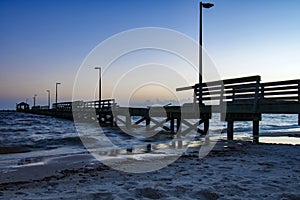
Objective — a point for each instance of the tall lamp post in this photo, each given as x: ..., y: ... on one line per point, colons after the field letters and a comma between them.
x: 48, y: 98
x: 56, y: 93
x: 100, y: 85
x: 202, y: 5
x: 34, y: 99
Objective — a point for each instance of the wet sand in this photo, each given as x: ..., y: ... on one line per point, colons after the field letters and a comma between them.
x: 232, y: 170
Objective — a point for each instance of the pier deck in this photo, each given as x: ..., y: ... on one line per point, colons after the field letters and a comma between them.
x: 239, y: 99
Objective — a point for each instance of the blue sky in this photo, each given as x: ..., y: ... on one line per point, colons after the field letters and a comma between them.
x: 43, y: 42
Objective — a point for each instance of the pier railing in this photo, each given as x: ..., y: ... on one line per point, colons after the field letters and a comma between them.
x: 243, y: 90
x: 237, y: 90
x: 105, y: 104
x: 247, y: 99
x: 280, y: 91
x: 64, y: 106
x: 247, y: 90
x: 40, y: 107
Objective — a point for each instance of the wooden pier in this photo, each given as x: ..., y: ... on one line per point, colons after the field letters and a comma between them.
x: 238, y: 99
x: 246, y: 99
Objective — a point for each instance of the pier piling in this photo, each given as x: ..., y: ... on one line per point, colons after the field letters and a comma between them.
x: 230, y: 130
x: 255, y: 131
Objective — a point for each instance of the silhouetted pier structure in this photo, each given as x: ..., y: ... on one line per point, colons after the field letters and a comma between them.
x: 22, y: 106
x: 86, y: 110
x: 246, y: 99
x: 238, y: 99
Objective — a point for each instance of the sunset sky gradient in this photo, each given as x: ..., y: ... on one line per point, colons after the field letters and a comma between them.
x: 43, y: 42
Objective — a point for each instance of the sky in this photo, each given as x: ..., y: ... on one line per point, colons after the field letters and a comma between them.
x: 44, y: 42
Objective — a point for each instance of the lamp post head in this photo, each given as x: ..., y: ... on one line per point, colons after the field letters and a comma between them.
x: 97, y: 67
x: 207, y: 5
x: 58, y: 83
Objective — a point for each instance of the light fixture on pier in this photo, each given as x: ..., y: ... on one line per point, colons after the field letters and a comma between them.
x: 100, y: 85
x: 34, y: 99
x: 56, y: 85
x: 202, y: 5
x: 48, y: 98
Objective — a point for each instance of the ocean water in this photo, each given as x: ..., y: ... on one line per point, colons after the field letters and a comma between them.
x: 26, y: 137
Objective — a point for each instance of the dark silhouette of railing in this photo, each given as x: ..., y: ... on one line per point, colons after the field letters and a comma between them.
x: 246, y: 99
x: 280, y: 91
x: 105, y: 104
x: 102, y: 110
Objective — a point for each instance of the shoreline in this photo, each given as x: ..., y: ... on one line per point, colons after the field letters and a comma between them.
x: 232, y: 170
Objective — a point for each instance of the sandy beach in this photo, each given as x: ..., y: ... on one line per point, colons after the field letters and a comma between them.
x: 232, y: 170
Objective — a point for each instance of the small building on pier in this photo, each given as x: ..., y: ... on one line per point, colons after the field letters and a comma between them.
x: 22, y: 106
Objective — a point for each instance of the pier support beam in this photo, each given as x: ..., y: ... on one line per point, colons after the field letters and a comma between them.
x: 206, y: 126
x: 148, y: 123
x: 230, y: 130
x: 298, y: 119
x: 128, y: 121
x: 111, y: 120
x: 178, y: 127
x: 256, y: 131
x: 172, y: 125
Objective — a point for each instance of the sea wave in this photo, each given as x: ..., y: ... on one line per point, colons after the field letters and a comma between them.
x: 14, y: 149
x: 3, y: 130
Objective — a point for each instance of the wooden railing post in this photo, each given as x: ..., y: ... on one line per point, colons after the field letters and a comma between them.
x: 222, y: 97
x: 222, y: 94
x: 200, y: 93
x: 256, y: 95
x: 262, y: 93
